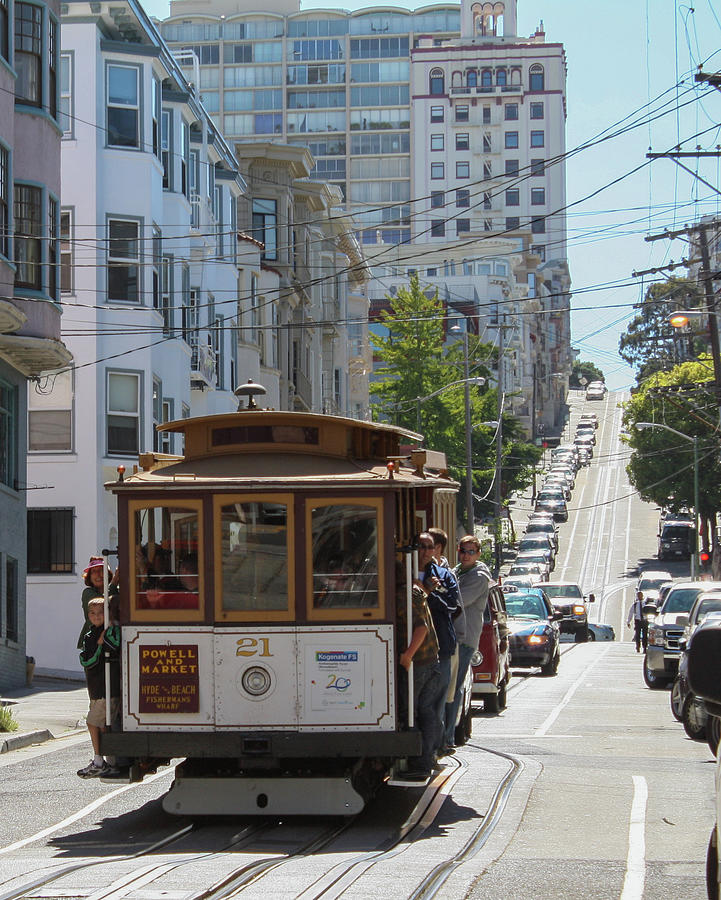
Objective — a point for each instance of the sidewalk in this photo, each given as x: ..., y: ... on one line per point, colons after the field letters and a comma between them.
x: 47, y: 709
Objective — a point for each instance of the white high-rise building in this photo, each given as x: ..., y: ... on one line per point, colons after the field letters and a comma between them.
x: 442, y: 127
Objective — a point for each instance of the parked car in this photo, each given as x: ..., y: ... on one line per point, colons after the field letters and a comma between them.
x: 557, y: 481
x: 704, y: 675
x: 543, y: 526
x: 590, y: 418
x: 534, y: 570
x: 534, y: 634
x: 686, y: 707
x: 556, y: 506
x: 583, y: 442
x: 568, y: 600
x: 490, y: 663
x: 566, y: 452
x: 584, y: 457
x: 541, y: 558
x: 542, y: 541
x: 676, y: 540
x: 599, y: 631
x: 568, y: 472
x: 595, y: 393
x: 660, y: 662
x: 650, y: 581
x: 587, y: 431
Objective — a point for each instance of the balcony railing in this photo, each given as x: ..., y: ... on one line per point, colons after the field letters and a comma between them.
x: 460, y: 90
x: 202, y: 364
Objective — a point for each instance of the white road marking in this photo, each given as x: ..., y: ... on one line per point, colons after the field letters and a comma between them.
x: 83, y: 812
x: 556, y: 712
x: 635, y: 879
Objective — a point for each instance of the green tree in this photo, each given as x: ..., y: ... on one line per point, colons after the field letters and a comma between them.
x: 661, y: 465
x: 416, y: 362
x: 587, y: 370
x: 650, y: 343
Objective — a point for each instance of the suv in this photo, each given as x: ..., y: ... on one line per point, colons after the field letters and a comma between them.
x: 567, y: 598
x: 490, y: 662
x: 704, y: 675
x: 660, y: 664
x: 676, y: 539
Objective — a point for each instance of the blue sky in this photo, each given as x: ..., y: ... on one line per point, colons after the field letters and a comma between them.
x: 623, y: 54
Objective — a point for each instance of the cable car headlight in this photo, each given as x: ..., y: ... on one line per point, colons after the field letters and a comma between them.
x: 256, y: 681
x: 477, y: 658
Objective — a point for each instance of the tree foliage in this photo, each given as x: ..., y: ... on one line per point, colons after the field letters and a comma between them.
x: 661, y: 465
x: 650, y: 343
x: 416, y: 362
x: 584, y: 369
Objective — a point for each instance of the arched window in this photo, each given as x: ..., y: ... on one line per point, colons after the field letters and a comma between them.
x: 515, y: 76
x: 472, y: 78
x: 501, y: 78
x: 536, y: 80
x: 437, y: 82
x: 486, y: 78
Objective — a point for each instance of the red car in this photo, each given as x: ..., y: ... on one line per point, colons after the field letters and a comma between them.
x: 491, y: 661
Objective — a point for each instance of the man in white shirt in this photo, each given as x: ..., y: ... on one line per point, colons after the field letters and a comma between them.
x: 640, y: 625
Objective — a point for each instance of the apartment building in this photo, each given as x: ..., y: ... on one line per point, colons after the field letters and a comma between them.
x: 30, y: 310
x: 149, y: 281
x: 441, y: 127
x: 304, y: 335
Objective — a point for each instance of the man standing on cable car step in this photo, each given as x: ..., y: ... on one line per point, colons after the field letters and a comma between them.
x: 441, y: 589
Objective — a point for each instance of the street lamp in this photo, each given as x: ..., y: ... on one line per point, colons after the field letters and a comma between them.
x: 694, y: 440
x: 681, y: 318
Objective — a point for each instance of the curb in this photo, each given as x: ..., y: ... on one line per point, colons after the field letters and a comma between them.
x: 18, y: 741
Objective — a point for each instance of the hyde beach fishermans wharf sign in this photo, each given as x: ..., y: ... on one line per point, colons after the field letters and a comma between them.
x: 169, y: 680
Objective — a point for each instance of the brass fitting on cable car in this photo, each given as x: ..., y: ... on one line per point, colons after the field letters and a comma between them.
x: 249, y: 390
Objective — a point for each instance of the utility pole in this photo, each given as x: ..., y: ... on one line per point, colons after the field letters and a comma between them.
x: 499, y: 451
x: 470, y: 518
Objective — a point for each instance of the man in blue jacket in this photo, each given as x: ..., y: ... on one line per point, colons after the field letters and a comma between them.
x: 441, y: 590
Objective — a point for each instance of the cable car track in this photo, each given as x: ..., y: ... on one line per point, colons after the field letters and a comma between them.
x: 21, y: 891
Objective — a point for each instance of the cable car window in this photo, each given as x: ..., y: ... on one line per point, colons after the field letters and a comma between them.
x: 166, y: 565
x: 264, y: 434
x: 345, y: 556
x: 254, y: 556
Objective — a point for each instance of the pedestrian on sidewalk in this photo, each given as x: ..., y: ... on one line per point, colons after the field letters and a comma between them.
x: 640, y: 625
x: 95, y: 642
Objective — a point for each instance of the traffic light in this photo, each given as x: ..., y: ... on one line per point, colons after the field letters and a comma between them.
x: 704, y: 558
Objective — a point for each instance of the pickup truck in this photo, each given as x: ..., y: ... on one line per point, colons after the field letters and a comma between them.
x: 666, y: 628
